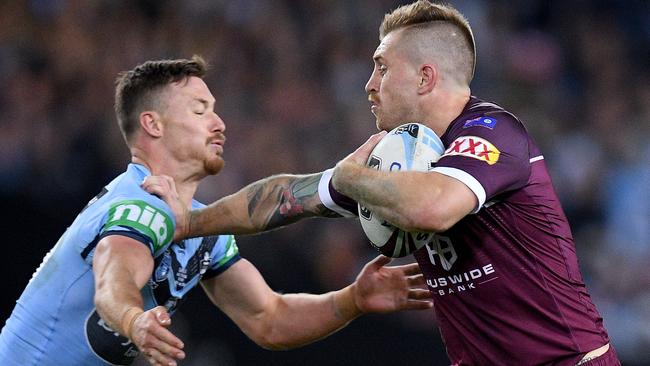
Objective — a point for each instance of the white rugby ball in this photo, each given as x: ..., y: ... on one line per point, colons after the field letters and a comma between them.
x: 414, y: 147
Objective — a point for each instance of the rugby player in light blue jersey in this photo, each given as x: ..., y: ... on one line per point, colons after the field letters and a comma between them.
x: 106, y: 291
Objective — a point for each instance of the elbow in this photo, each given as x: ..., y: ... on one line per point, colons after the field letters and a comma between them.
x: 264, y: 334
x: 270, y: 341
x: 100, y: 301
x: 99, y: 297
x: 269, y: 346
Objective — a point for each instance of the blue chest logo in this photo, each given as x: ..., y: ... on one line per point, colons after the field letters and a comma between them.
x: 163, y: 267
x: 486, y: 122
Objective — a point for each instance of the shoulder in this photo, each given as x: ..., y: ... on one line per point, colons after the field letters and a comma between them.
x: 129, y: 208
x: 127, y: 196
x: 485, y: 118
x: 484, y: 130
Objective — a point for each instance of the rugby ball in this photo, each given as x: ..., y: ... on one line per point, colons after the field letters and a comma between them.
x: 409, y: 147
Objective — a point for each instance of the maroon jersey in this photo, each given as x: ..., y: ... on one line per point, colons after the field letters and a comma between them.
x: 505, y: 280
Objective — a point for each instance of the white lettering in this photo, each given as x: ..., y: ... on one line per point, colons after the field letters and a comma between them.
x: 444, y: 249
x: 463, y: 281
x: 455, y: 279
x: 104, y: 325
x: 159, y: 227
x: 132, y: 215
x: 147, y: 215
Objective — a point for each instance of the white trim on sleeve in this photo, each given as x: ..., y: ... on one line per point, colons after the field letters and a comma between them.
x: 467, y: 179
x: 326, y: 198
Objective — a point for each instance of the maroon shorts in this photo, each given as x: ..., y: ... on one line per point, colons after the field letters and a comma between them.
x: 609, y: 358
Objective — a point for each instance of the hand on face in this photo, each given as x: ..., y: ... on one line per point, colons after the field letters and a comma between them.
x: 150, y: 334
x: 164, y: 187
x: 381, y: 289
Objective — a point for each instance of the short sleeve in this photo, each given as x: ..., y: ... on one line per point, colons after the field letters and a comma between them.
x: 144, y: 220
x: 490, y: 154
x: 224, y: 254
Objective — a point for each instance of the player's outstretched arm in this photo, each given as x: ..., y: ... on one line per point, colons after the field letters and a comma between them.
x: 122, y: 266
x: 413, y: 201
x: 282, y: 321
x: 264, y: 205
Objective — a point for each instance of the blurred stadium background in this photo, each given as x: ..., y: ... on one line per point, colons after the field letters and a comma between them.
x: 288, y: 77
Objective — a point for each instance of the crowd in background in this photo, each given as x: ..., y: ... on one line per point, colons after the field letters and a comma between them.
x: 289, y: 81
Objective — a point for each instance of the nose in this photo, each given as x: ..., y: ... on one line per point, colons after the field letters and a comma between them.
x: 218, y: 125
x: 372, y: 86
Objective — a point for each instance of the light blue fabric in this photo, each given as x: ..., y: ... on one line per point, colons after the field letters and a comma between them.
x: 55, y: 321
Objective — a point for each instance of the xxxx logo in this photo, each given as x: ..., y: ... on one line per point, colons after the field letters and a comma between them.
x: 474, y: 147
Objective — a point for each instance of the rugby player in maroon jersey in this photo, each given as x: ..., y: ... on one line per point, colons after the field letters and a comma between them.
x: 502, y: 268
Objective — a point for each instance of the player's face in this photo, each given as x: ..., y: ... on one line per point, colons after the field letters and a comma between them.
x: 193, y: 131
x: 392, y: 87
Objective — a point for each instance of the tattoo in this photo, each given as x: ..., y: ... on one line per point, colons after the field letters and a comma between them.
x: 377, y: 193
x: 281, y: 200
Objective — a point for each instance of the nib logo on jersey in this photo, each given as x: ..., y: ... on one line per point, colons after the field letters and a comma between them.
x: 441, y: 249
x: 154, y: 223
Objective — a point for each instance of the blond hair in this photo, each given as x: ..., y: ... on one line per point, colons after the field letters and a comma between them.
x: 444, y: 20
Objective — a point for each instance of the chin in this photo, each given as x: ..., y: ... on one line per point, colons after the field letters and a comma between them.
x: 380, y: 124
x: 384, y: 126
x: 214, y: 166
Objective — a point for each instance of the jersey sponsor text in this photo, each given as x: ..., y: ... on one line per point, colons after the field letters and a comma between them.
x: 474, y: 147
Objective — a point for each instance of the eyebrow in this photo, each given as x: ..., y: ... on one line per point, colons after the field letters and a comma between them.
x: 205, y: 103
x: 378, y: 58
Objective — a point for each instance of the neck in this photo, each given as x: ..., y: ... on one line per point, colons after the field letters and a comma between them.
x: 160, y: 164
x: 444, y: 107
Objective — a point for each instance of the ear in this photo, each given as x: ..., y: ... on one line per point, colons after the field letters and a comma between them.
x: 151, y: 123
x: 428, y: 78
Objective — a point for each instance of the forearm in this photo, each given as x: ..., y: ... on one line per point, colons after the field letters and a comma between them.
x: 261, y: 206
x: 301, y: 319
x: 387, y: 195
x: 410, y: 200
x: 114, y: 299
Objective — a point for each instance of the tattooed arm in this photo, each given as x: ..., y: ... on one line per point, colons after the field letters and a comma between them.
x: 284, y: 199
x: 413, y: 201
x: 264, y: 205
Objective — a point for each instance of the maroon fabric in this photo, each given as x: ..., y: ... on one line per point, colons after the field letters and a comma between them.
x: 505, y: 281
x: 609, y: 358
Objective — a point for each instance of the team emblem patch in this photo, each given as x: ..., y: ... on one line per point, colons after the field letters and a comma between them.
x: 474, y: 147
x: 487, y: 122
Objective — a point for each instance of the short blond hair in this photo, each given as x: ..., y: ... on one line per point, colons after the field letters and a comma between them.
x: 424, y: 15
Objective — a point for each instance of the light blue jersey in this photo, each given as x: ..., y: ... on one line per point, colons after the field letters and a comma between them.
x: 55, y: 321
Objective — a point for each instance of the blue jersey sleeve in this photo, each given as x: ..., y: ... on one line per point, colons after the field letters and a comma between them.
x: 224, y: 254
x: 145, y: 219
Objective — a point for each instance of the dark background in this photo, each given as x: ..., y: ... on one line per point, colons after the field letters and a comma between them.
x: 288, y: 77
